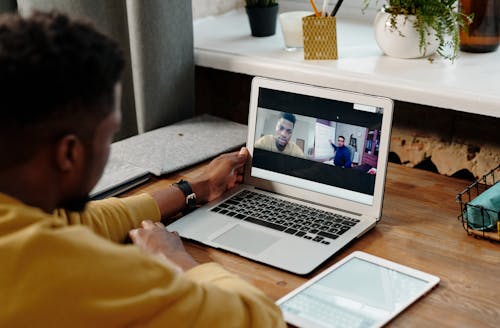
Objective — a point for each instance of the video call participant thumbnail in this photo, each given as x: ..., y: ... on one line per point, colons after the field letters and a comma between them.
x: 280, y: 142
x: 342, y: 153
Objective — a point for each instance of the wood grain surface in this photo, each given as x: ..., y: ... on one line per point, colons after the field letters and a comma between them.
x: 419, y: 228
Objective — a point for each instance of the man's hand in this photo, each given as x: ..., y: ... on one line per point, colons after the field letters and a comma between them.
x: 155, y: 239
x: 221, y: 174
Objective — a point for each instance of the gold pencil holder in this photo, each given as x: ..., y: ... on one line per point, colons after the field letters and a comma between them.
x: 320, y: 37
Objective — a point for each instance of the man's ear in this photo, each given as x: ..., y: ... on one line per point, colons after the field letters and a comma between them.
x: 69, y: 153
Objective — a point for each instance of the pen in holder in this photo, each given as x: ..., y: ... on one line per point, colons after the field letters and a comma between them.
x: 320, y: 37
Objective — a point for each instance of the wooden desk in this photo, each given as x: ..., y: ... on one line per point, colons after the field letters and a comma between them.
x: 419, y: 228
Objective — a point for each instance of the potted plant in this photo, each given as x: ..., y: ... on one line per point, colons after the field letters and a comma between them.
x: 262, y: 15
x: 418, y: 28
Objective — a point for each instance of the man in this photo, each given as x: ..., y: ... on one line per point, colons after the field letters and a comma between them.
x: 280, y: 142
x: 342, y: 153
x: 61, y: 261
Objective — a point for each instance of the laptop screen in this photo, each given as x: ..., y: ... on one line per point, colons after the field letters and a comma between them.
x: 323, y: 145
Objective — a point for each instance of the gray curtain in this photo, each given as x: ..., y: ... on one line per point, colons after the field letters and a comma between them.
x: 157, y: 37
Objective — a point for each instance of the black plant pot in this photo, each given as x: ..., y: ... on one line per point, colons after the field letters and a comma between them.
x: 262, y: 20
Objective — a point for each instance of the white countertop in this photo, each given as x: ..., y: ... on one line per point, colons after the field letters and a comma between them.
x: 470, y: 84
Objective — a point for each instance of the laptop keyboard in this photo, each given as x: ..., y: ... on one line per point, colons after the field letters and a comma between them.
x: 292, y: 218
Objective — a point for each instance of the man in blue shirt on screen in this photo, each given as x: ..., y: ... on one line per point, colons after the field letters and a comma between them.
x: 342, y: 153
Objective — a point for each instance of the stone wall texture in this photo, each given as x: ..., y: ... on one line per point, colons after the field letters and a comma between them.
x: 441, y: 140
x: 448, y: 141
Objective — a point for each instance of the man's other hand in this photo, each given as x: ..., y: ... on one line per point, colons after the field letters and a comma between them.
x: 153, y: 238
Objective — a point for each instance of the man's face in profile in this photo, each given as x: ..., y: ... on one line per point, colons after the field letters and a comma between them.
x: 284, y: 130
x: 97, y: 157
x: 340, y: 142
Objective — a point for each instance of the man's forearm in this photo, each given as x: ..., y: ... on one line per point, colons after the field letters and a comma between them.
x: 220, y: 175
x: 171, y: 200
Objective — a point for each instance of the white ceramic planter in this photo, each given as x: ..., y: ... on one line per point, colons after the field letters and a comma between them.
x: 402, y: 42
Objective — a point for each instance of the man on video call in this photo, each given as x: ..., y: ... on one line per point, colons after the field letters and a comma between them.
x: 63, y: 261
x: 280, y: 141
x: 342, y: 153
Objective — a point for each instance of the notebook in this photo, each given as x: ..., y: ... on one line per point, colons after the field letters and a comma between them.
x: 118, y: 177
x: 306, y: 194
x: 165, y: 150
x: 177, y: 146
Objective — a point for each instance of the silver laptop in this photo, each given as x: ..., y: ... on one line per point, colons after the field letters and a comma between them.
x: 314, y: 180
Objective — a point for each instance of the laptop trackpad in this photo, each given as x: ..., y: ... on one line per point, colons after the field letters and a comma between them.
x: 246, y: 239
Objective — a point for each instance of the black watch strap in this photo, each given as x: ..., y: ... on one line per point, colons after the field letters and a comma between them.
x: 186, y: 189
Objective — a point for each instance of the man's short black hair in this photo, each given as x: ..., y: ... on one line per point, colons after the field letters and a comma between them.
x: 54, y: 70
x: 288, y: 116
x: 343, y: 139
x: 48, y: 62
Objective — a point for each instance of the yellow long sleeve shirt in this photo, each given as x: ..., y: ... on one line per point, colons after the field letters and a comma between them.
x: 67, y: 270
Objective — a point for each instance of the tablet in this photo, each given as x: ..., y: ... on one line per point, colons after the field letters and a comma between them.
x: 361, y: 290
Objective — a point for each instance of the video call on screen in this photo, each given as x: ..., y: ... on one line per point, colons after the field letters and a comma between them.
x: 316, y: 138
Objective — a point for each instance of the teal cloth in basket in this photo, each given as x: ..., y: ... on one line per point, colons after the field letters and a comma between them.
x: 489, y: 200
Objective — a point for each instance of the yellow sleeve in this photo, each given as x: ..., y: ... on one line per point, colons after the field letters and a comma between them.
x: 112, y: 218
x: 297, y: 151
x: 264, y: 142
x: 73, y: 278
x: 248, y: 307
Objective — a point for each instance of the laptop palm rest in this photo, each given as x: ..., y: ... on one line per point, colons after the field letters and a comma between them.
x: 248, y: 240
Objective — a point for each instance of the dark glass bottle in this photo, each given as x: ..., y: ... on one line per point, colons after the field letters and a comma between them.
x: 483, y: 34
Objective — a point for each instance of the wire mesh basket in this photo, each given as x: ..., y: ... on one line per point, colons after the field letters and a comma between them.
x: 479, y: 220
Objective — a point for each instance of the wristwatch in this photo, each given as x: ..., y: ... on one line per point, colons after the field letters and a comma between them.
x: 186, y: 189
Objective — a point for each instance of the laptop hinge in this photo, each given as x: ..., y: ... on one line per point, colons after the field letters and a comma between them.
x: 312, y: 202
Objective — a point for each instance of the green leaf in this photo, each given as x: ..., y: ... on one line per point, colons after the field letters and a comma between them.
x: 440, y: 15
